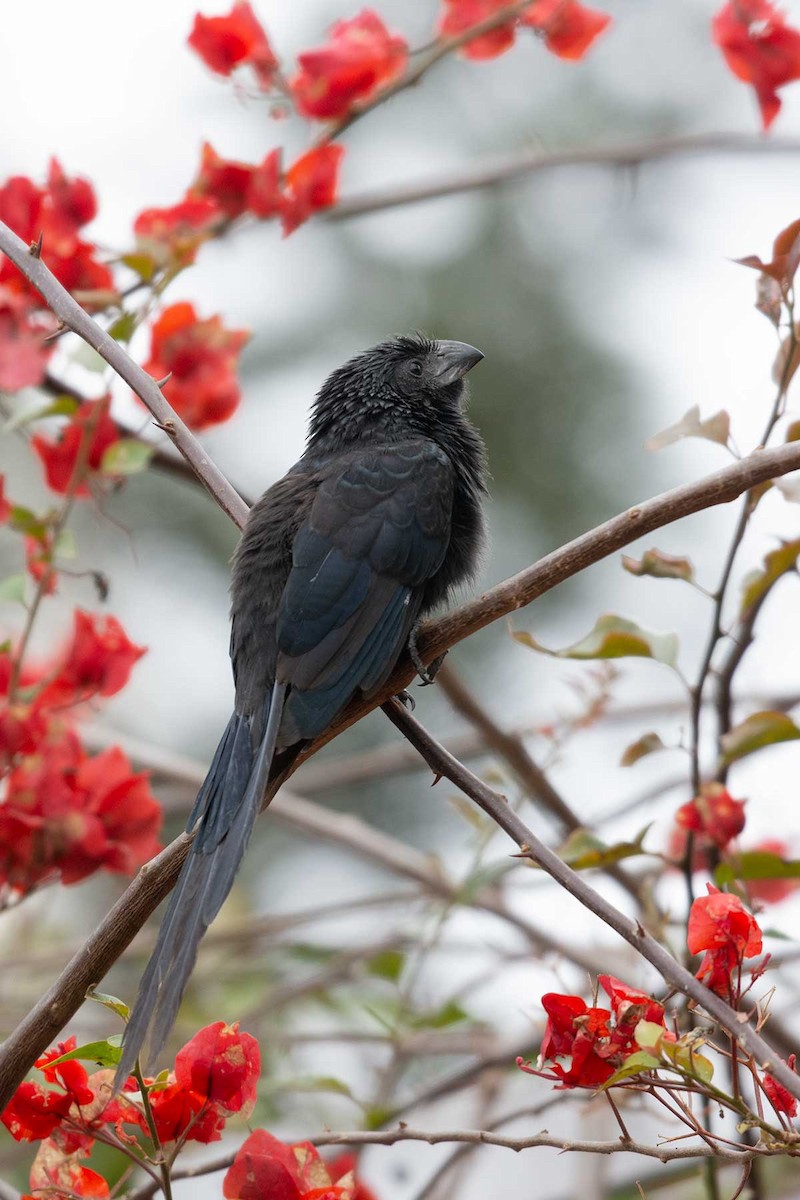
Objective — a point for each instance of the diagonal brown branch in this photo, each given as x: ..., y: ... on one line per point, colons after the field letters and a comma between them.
x: 496, y: 806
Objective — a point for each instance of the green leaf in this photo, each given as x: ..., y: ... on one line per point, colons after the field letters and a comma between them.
x: 123, y: 328
x: 106, y: 1053
x: 660, y: 566
x: 88, y: 358
x: 713, y: 429
x: 127, y: 456
x: 757, y: 864
x: 584, y: 851
x: 758, y: 730
x: 23, y: 520
x: 648, y: 1035
x: 116, y: 1006
x: 62, y: 406
x: 388, y: 964
x: 12, y: 589
x: 633, y: 1065
x: 143, y: 264
x: 375, y: 1118
x: 613, y: 637
x: 449, y: 1014
x: 776, y: 563
x: 648, y: 743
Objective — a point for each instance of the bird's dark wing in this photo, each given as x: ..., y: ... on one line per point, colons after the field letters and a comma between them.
x: 377, y: 531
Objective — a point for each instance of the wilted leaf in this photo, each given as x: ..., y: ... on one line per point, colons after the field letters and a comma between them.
x: 713, y: 429
x: 684, y: 1055
x: 634, y: 1065
x: 660, y: 566
x: 769, y: 300
x: 614, y: 637
x: 757, y: 864
x: 27, y: 522
x: 106, y: 1053
x: 785, y: 256
x: 127, y: 456
x: 585, y: 851
x: 778, y: 562
x: 12, y: 589
x: 648, y: 743
x: 758, y: 730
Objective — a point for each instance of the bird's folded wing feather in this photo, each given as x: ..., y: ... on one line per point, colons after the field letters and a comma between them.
x: 378, y: 529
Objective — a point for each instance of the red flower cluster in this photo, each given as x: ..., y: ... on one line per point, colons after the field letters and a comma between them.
x: 91, y: 422
x: 172, y: 236
x: 215, y: 1076
x: 714, y: 817
x: 567, y: 27
x: 235, y: 40
x: 780, y: 1097
x: 265, y: 1166
x: 56, y: 212
x: 720, y: 925
x: 597, y: 1040
x: 201, y: 358
x: 65, y: 814
x: 760, y: 49
x: 360, y: 59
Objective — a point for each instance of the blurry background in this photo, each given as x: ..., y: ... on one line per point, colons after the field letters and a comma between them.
x: 606, y: 304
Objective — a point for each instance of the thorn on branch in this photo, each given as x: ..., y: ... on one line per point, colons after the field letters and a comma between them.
x: 167, y: 427
x: 35, y: 248
x: 162, y: 383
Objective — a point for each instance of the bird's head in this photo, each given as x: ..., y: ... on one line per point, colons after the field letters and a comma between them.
x: 413, y: 381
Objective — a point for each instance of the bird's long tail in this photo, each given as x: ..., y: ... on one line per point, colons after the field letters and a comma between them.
x: 226, y: 806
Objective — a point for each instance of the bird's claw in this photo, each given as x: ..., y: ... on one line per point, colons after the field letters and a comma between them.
x: 407, y: 700
x: 427, y: 674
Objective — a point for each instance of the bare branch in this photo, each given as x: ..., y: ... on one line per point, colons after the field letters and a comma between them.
x: 533, y: 162
x: 676, y: 975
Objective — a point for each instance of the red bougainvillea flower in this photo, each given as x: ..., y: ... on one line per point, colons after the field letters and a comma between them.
x: 720, y: 925
x: 361, y: 57
x: 598, y: 1040
x: 265, y: 1166
x: 98, y: 661
x: 60, y: 457
x: 629, y: 1005
x: 714, y: 814
x: 311, y: 185
x: 568, y: 27
x: 72, y: 1076
x: 179, y: 1112
x: 23, y: 349
x: 235, y: 40
x: 344, y: 1165
x: 22, y: 728
x: 56, y: 212
x: 760, y: 49
x: 34, y: 1112
x: 772, y: 891
x: 460, y: 15
x: 69, y: 815
x: 57, y: 1170
x: 265, y: 194
x: 202, y: 357
x: 780, y: 1097
x: 5, y: 505
x: 174, y: 235
x: 223, y: 1065
x: 224, y: 181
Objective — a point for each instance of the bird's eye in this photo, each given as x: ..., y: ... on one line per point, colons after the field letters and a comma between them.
x: 415, y: 367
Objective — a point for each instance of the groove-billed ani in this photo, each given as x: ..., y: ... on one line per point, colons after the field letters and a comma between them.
x: 371, y: 529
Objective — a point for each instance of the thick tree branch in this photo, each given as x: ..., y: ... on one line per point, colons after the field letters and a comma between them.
x: 496, y: 806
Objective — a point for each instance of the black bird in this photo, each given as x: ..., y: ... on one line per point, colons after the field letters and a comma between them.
x: 379, y: 520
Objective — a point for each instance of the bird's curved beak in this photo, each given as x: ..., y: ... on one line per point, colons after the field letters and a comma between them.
x: 454, y: 360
